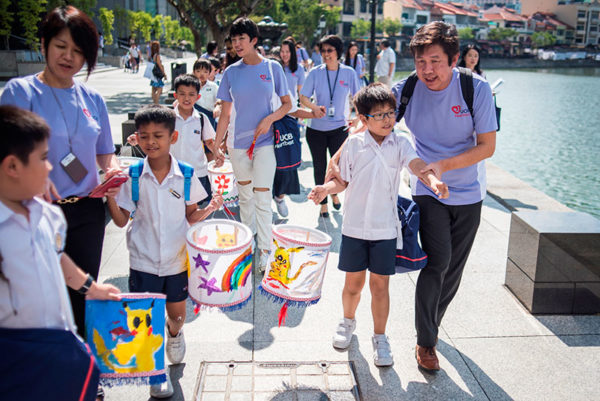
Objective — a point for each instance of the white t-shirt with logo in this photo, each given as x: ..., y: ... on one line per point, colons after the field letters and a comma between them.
x: 208, y: 95
x: 442, y: 127
x: 387, y: 57
x: 189, y: 147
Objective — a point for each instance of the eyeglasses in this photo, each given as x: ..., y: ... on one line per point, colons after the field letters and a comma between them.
x: 229, y: 49
x: 383, y: 116
x: 328, y: 50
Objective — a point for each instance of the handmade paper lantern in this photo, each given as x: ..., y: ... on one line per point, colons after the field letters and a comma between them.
x: 126, y: 161
x: 127, y: 338
x: 220, y: 259
x: 296, y: 267
x: 223, y: 181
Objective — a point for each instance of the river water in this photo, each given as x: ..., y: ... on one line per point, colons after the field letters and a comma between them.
x: 550, y: 132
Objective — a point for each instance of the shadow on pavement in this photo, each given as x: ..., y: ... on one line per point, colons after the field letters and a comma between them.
x: 127, y: 102
x: 574, y: 331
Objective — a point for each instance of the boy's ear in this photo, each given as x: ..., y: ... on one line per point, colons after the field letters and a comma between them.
x: 175, y: 95
x: 363, y: 119
x: 11, y: 166
x: 174, y: 137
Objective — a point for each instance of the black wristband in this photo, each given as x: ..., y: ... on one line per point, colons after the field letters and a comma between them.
x: 86, y: 286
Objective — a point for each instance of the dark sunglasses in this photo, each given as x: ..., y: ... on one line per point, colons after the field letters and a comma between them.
x: 329, y: 50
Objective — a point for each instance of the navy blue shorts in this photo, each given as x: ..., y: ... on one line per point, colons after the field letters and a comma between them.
x: 206, y: 184
x: 175, y: 287
x: 378, y: 256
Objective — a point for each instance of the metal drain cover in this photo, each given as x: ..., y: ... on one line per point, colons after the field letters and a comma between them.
x: 277, y: 381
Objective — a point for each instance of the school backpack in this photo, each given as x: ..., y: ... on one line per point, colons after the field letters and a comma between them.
x: 411, y: 257
x: 135, y: 171
x: 466, y: 86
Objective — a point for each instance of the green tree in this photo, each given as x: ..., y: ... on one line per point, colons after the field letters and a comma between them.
x: 6, y: 20
x: 157, y: 26
x: 107, y: 20
x: 144, y: 21
x: 360, y: 28
x: 188, y: 36
x: 30, y: 14
x: 303, y: 17
x: 133, y: 22
x: 501, y: 33
x: 542, y: 39
x: 391, y: 26
x: 171, y: 30
x: 466, y: 33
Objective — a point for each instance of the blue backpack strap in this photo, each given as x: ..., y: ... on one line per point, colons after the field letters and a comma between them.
x: 135, y: 171
x: 466, y: 87
x: 406, y: 94
x: 188, y: 173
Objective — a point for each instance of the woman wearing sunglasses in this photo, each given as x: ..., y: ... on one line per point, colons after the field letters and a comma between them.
x: 331, y: 85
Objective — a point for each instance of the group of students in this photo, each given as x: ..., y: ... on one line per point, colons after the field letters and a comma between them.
x: 37, y: 144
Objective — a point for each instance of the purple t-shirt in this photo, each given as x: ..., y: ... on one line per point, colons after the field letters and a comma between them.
x: 301, y: 55
x: 250, y: 89
x: 346, y: 85
x: 294, y: 79
x: 79, y: 102
x: 442, y: 127
x: 359, y: 67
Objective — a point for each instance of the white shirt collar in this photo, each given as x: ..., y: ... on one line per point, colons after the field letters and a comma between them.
x: 34, y: 206
x: 174, y: 170
x: 194, y: 115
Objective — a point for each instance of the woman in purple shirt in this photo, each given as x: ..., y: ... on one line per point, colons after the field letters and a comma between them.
x: 355, y: 60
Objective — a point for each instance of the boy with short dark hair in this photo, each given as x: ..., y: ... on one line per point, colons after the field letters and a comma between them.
x: 194, y: 129
x: 208, y: 90
x: 370, y: 166
x: 156, y: 235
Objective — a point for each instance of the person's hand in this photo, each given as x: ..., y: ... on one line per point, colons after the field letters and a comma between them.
x: 104, y: 292
x: 50, y: 191
x: 219, y: 156
x: 319, y: 111
x: 216, y: 202
x: 132, y: 140
x: 333, y: 171
x: 439, y: 188
x: 317, y: 194
x: 217, y: 112
x: 262, y: 127
x: 436, y: 167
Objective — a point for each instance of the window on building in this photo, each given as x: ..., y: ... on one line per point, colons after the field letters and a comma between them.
x: 363, y: 6
x: 380, y: 7
x: 594, y: 28
x: 595, y: 14
x: 349, y: 7
x: 580, y: 13
x: 346, y: 29
x: 579, y: 39
x: 580, y: 27
x: 560, y: 32
x: 421, y: 19
x: 404, y: 15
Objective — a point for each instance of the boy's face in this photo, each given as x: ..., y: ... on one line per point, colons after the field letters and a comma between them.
x: 186, y: 97
x: 202, y: 74
x: 381, y: 120
x: 155, y: 139
x: 34, y: 175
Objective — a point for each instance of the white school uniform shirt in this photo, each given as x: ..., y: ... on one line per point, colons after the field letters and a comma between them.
x: 208, y: 95
x: 370, y: 199
x: 156, y: 234
x: 189, y: 147
x: 36, y: 294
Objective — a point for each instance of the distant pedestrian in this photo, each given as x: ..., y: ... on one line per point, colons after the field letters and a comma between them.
x: 134, y: 53
x: 355, y: 60
x: 212, y: 50
x: 208, y: 90
x: 302, y: 56
x: 315, y: 57
x: 100, y: 44
x: 156, y: 82
x: 470, y: 58
x: 386, y: 63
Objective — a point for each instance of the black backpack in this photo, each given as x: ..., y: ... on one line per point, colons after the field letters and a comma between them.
x: 466, y: 86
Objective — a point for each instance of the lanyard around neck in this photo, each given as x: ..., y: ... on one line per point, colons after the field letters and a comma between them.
x: 62, y: 112
x: 332, y: 91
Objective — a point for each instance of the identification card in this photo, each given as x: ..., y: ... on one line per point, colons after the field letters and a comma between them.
x: 73, y: 167
x: 331, y: 112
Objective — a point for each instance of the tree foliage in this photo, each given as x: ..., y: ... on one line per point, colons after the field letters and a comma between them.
x: 30, y: 14
x: 6, y: 20
x: 501, y: 33
x: 542, y: 39
x: 157, y: 26
x: 466, y: 33
x: 87, y: 6
x: 144, y: 24
x: 360, y: 28
x: 107, y: 20
x: 390, y: 26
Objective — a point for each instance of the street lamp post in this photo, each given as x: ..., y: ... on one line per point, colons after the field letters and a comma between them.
x: 373, y: 57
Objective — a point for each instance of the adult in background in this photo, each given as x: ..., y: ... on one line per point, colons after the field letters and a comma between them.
x: 315, y: 57
x: 331, y: 84
x: 469, y: 58
x: 355, y: 60
x: 455, y: 146
x: 80, y: 134
x: 386, y: 62
x: 247, y: 87
x: 156, y: 83
x: 134, y: 56
x: 302, y: 56
x: 212, y: 50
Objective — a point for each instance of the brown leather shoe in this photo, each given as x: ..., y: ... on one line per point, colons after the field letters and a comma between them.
x: 427, y: 358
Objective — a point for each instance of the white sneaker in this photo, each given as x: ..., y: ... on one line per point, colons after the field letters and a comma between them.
x: 343, y: 333
x: 282, y: 208
x: 175, y: 347
x: 382, y: 352
x: 263, y: 259
x: 162, y: 390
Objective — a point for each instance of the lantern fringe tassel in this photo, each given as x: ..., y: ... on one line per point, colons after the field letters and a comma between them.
x: 136, y: 381
x: 296, y: 304
x: 199, y: 307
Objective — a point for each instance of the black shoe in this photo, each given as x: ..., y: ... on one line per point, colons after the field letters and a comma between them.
x: 324, y: 215
x: 337, y: 206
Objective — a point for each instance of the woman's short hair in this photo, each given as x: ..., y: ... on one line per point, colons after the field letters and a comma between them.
x: 242, y: 26
x: 82, y: 29
x: 333, y: 41
x: 436, y: 33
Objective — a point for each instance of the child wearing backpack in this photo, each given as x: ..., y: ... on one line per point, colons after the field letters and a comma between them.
x: 370, y: 166
x: 163, y: 194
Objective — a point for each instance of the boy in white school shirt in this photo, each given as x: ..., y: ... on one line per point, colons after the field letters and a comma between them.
x: 156, y: 235
x: 369, y: 228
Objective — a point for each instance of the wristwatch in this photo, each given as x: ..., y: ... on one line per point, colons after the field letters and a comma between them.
x: 86, y: 286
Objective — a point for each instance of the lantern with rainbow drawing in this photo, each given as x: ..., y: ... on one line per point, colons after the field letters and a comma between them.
x: 223, y: 181
x: 296, y: 267
x: 127, y: 338
x: 220, y: 258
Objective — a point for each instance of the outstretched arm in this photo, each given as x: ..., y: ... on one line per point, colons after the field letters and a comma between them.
x: 75, y: 278
x: 319, y: 192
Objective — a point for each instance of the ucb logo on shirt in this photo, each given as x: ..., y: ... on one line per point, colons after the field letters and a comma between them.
x: 459, y: 111
x: 343, y: 83
x: 265, y: 78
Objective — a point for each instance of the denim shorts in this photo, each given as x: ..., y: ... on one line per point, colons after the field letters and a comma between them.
x: 378, y: 256
x: 175, y: 287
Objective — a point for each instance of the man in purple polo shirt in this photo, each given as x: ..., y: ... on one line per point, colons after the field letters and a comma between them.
x: 455, y: 144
